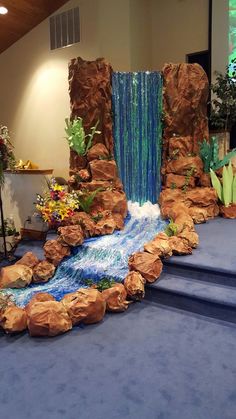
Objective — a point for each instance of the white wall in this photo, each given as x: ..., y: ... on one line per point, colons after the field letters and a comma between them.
x: 131, y: 34
x: 179, y: 27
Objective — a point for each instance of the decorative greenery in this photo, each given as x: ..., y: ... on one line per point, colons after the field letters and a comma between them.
x: 86, y: 198
x: 57, y: 204
x: 188, y: 176
x: 7, y: 159
x: 76, y: 137
x: 209, y: 153
x: 173, y: 185
x: 5, y: 301
x: 101, y: 285
x: 223, y: 104
x: 171, y: 229
x: 9, y: 230
x: 226, y: 190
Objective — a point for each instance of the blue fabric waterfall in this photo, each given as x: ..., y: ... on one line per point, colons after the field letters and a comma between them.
x: 137, y: 108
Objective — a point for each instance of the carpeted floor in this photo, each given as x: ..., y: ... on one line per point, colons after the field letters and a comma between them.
x: 148, y: 363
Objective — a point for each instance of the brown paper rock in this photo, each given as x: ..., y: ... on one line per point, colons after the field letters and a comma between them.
x: 106, y: 225
x: 55, y: 251
x: 98, y: 151
x: 85, y: 305
x: 182, y: 165
x: 43, y: 271
x: 180, y: 146
x: 149, y: 266
x: 72, y: 235
x: 184, y: 222
x: 15, y: 276
x: 48, y: 318
x: 103, y: 169
x: 85, y: 221
x: 205, y: 180
x: 84, y: 175
x: 14, y: 319
x: 39, y: 297
x: 29, y: 259
x: 159, y: 246
x: 191, y: 237
x: 228, y: 212
x: 104, y: 184
x: 199, y: 215
x: 134, y: 285
x: 179, y: 246
x: 115, y: 298
x: 113, y: 201
x: 178, y: 181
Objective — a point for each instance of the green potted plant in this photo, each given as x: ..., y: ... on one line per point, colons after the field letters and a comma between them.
x: 226, y: 191
x: 7, y: 159
x: 223, y: 106
x: 10, y: 233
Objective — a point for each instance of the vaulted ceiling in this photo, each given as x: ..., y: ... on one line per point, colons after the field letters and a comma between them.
x: 22, y: 16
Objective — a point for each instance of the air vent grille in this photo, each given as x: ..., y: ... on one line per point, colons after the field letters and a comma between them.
x: 65, y: 29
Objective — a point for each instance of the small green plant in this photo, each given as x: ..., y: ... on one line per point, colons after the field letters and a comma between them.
x: 188, y: 176
x: 171, y: 229
x: 226, y: 190
x: 5, y: 300
x: 209, y: 153
x: 174, y: 154
x: 101, y: 285
x: 173, y: 185
x: 86, y: 199
x: 76, y: 137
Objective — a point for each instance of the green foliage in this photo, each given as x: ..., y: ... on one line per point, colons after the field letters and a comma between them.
x: 227, y: 190
x: 86, y: 199
x: 188, y: 176
x: 5, y: 300
x: 209, y: 153
x: 171, y: 229
x: 76, y: 137
x: 101, y: 285
x: 173, y: 185
x: 223, y: 104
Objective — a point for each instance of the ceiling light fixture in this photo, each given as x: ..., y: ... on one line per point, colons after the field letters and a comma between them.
x: 3, y: 10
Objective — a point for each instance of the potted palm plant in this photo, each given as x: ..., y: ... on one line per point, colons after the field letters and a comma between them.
x: 223, y: 106
x: 226, y: 191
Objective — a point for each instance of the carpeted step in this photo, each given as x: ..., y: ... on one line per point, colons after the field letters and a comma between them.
x: 203, y: 297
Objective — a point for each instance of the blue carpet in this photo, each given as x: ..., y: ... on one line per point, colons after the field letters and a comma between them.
x: 216, y: 250
x: 148, y: 363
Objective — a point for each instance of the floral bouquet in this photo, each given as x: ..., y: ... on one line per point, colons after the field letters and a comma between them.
x: 7, y: 159
x: 57, y: 205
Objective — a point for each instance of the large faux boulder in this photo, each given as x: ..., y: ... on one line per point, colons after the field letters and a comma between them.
x: 103, y: 169
x: 159, y: 246
x: 201, y: 197
x: 85, y: 305
x: 178, y: 181
x: 183, y: 165
x: 29, y: 259
x: 114, y: 201
x: 148, y: 265
x: 134, y: 285
x: 115, y: 298
x: 186, y: 90
x: 15, y: 276
x: 39, y: 297
x: 43, y: 271
x: 180, y: 146
x: 98, y: 151
x: 48, y: 318
x: 14, y: 319
x: 72, y: 235
x: 179, y: 246
x: 55, y: 251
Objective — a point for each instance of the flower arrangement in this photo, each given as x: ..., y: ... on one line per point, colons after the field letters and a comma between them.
x: 7, y: 159
x: 57, y: 205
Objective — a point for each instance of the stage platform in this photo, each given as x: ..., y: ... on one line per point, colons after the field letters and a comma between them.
x: 204, y: 282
